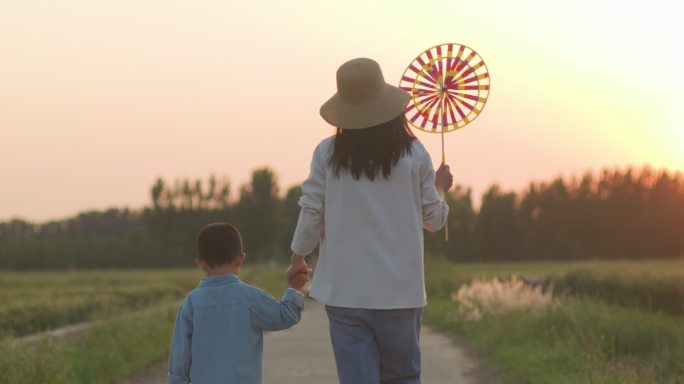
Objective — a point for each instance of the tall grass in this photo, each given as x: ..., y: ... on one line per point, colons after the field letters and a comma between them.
x: 602, y: 340
x: 106, y: 352
x: 653, y: 293
x: 102, y: 354
x: 652, y: 285
x: 34, y: 302
x: 577, y: 341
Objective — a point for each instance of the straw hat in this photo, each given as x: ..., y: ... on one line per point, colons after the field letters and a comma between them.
x: 363, y: 99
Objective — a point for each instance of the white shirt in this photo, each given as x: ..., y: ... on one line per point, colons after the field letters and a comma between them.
x: 370, y: 232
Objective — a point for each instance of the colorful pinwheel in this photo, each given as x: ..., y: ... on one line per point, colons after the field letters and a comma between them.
x: 449, y: 86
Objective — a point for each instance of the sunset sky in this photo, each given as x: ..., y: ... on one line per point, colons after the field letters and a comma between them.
x: 100, y: 97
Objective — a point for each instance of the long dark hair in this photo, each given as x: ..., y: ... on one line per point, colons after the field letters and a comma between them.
x: 368, y: 151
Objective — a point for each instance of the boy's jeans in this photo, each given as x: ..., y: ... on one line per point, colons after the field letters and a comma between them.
x: 376, y: 345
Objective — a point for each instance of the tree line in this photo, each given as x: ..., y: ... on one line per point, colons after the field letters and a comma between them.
x: 614, y: 214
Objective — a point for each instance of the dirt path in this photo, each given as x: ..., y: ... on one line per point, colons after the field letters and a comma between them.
x: 303, y: 355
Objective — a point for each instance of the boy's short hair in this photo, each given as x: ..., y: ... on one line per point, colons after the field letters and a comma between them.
x: 219, y: 244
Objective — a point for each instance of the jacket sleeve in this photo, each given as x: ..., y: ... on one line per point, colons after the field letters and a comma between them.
x: 269, y: 314
x: 435, y: 210
x: 310, y: 224
x: 181, y: 345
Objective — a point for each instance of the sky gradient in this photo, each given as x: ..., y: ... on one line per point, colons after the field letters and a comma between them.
x: 99, y: 98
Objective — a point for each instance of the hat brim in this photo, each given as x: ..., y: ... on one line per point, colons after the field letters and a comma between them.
x: 387, y: 105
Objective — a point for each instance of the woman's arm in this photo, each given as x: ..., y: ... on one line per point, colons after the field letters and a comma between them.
x: 310, y: 224
x: 435, y: 210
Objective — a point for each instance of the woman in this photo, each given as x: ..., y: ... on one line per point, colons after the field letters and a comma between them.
x: 370, y: 192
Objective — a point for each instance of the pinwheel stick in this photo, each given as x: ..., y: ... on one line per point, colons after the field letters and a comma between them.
x: 444, y: 193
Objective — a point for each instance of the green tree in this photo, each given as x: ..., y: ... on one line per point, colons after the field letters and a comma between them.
x: 259, y: 212
x: 497, y: 228
x: 290, y: 212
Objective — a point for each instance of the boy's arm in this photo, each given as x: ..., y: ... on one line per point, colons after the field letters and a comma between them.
x: 180, y: 358
x: 272, y: 315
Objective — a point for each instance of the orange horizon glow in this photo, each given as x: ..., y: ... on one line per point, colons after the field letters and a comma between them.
x: 98, y: 99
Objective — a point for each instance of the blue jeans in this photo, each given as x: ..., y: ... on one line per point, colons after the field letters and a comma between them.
x: 376, y: 345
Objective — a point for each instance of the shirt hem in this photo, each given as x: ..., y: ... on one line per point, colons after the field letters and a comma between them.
x: 421, y: 304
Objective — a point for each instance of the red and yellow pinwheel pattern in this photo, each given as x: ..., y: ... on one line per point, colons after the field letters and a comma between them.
x: 449, y: 86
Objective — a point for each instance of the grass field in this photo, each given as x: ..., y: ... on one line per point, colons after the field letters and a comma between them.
x: 33, y: 302
x: 616, y: 329
x: 653, y: 285
x: 106, y: 352
x: 613, y: 323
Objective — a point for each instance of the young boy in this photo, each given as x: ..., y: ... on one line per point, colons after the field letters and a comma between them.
x: 218, y: 336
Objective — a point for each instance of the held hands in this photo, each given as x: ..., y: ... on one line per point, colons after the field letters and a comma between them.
x: 298, y: 273
x: 443, y: 178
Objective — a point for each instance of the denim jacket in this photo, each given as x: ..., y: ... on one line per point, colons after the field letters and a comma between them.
x: 218, y: 335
